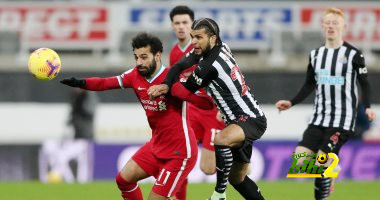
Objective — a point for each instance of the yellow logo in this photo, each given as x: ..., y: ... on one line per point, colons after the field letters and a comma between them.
x: 309, y: 169
x: 322, y: 158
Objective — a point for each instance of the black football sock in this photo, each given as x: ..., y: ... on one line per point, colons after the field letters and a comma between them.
x: 322, y: 188
x: 223, y: 157
x: 248, y: 189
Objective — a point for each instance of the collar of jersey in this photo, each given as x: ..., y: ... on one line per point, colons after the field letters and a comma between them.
x: 185, y: 47
x: 150, y: 80
x: 215, y: 48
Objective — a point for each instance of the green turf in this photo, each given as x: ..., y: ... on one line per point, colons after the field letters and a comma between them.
x: 281, y: 190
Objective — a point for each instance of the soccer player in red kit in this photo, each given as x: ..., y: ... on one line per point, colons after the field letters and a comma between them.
x: 205, y: 123
x: 172, y: 151
x: 182, y: 18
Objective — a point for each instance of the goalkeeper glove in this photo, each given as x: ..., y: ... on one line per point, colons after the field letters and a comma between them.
x: 73, y: 82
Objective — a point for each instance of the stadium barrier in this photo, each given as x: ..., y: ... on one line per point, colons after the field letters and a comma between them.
x: 47, y: 139
x: 78, y: 161
x: 125, y: 123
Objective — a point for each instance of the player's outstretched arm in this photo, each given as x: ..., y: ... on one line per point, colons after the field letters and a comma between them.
x: 201, y: 101
x: 94, y: 84
x: 74, y: 82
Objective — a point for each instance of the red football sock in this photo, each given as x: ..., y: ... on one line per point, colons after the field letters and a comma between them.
x: 129, y: 191
x: 181, y: 193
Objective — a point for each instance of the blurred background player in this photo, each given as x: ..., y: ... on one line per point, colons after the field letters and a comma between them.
x: 182, y: 18
x: 218, y: 71
x: 71, y: 159
x: 332, y: 72
x: 172, y: 151
x: 205, y: 123
x: 83, y: 104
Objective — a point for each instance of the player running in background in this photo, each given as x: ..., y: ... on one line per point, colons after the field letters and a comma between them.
x: 205, y: 123
x: 171, y: 153
x: 333, y: 72
x: 218, y: 71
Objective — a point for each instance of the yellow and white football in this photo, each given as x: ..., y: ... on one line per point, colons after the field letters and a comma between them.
x: 44, y: 64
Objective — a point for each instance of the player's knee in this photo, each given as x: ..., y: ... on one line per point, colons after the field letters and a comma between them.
x: 123, y: 184
x: 222, y: 140
x: 208, y: 170
x: 236, y: 179
x: 237, y: 175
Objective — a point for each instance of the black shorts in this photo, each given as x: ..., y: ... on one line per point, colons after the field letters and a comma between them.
x: 326, y: 139
x: 253, y: 129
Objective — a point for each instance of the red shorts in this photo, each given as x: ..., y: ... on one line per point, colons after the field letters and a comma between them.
x: 205, y: 125
x: 169, y: 173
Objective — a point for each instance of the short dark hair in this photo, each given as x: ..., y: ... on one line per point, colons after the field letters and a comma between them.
x: 144, y: 39
x: 181, y: 10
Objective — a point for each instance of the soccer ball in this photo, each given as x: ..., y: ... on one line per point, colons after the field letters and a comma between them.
x: 54, y: 177
x: 44, y: 64
x: 322, y: 158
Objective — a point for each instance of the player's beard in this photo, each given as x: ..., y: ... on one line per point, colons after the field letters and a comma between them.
x: 149, y: 70
x: 207, y: 49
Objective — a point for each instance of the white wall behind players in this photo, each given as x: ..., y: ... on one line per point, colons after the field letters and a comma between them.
x: 122, y: 123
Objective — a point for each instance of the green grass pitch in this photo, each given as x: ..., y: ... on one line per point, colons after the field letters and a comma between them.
x: 278, y: 190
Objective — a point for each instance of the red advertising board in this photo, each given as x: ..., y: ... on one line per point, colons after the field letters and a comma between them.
x: 56, y: 23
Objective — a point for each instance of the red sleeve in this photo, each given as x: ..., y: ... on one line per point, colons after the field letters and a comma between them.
x: 126, y: 79
x: 99, y: 84
x: 116, y: 82
x: 202, y: 101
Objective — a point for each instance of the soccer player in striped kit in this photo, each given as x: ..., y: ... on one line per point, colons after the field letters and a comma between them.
x: 172, y: 151
x: 218, y: 71
x: 333, y: 72
x: 205, y: 123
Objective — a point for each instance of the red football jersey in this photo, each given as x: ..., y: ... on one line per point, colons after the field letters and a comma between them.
x: 176, y: 53
x: 172, y: 136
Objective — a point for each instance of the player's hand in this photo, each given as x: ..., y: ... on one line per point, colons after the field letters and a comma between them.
x: 73, y: 82
x: 370, y: 114
x: 283, y: 105
x: 219, y: 116
x: 157, y: 90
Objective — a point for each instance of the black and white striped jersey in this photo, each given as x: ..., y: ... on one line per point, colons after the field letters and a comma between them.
x: 333, y: 73
x: 218, y: 71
